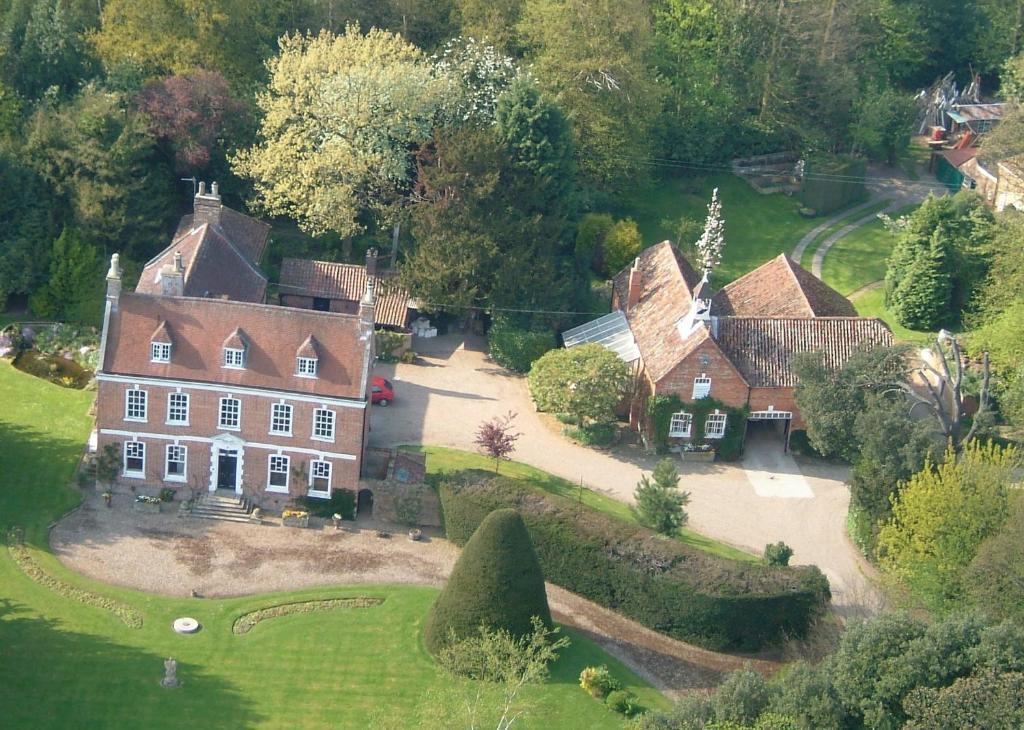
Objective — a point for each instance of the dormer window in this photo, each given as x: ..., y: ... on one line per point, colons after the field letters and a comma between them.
x: 307, y: 357
x: 234, y: 358
x: 160, y: 344
x: 235, y: 347
x: 160, y: 351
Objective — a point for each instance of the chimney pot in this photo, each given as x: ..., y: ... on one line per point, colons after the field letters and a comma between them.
x: 206, y: 208
x: 178, y: 265
x: 215, y: 190
x: 202, y: 188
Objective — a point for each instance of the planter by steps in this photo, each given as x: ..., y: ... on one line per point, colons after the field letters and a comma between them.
x: 698, y: 457
x: 150, y: 507
x: 300, y: 520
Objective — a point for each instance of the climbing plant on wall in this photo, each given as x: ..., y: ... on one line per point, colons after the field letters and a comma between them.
x: 661, y: 407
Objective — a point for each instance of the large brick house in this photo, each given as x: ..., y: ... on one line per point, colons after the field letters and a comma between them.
x: 203, y: 385
x: 735, y: 345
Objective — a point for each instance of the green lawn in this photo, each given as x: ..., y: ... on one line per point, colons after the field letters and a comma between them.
x: 757, y: 227
x: 844, y: 221
x: 65, y: 664
x: 872, y: 304
x: 858, y: 259
x: 441, y: 460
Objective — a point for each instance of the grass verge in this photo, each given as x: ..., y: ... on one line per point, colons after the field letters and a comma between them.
x: 444, y: 460
x: 858, y: 258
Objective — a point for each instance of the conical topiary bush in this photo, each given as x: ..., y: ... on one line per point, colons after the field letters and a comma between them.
x: 497, y: 582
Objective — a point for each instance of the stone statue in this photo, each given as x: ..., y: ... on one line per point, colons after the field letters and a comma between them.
x: 170, y: 679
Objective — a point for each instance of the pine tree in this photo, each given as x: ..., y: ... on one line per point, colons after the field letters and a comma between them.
x: 74, y: 290
x: 497, y: 583
x: 659, y: 503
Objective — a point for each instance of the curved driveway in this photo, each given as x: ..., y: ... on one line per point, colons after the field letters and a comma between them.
x: 443, y: 398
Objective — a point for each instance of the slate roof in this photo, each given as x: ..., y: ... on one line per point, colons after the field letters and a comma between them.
x: 667, y: 282
x: 762, y: 348
x: 214, y: 267
x: 203, y: 326
x: 345, y: 282
x: 780, y: 288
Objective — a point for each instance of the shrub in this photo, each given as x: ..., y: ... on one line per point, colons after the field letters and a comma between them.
x: 342, y: 502
x: 777, y: 553
x: 590, y: 234
x: 622, y: 701
x: 497, y: 582
x: 742, y: 697
x: 594, y: 434
x: 166, y: 494
x: 385, y: 343
x: 663, y: 584
x: 598, y: 681
x: 587, y: 382
x: 516, y: 348
x: 622, y: 244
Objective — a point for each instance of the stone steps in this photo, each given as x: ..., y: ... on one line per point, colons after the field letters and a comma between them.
x: 223, y: 508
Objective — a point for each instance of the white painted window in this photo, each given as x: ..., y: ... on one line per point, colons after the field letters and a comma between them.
x: 681, y: 425
x: 281, y: 419
x: 305, y: 367
x: 320, y: 477
x: 177, y: 409
x: 701, y: 387
x: 714, y: 427
x: 160, y: 351
x: 323, y: 424
x: 134, y: 459
x: 234, y: 358
x: 176, y: 461
x: 277, y: 476
x: 230, y: 413
x: 135, y: 405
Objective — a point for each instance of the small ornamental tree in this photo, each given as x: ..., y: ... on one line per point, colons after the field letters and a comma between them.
x: 496, y: 439
x: 777, y: 553
x: 496, y: 583
x: 659, y: 503
x: 712, y: 240
x: 587, y: 382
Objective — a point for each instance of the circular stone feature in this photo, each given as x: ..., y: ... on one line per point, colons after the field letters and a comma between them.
x: 186, y: 625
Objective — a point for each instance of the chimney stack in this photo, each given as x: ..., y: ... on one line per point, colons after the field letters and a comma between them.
x: 172, y: 278
x: 371, y: 276
x: 114, y: 282
x: 635, y: 285
x: 206, y: 206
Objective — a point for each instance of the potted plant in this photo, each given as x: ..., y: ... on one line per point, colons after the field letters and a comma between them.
x: 107, y: 497
x: 143, y: 503
x: 292, y: 517
x: 415, y: 534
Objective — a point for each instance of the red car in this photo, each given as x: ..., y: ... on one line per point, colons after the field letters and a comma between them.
x: 381, y: 391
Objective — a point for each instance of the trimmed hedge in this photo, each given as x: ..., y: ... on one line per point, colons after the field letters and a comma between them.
x: 667, y: 586
x: 342, y: 501
x: 516, y: 348
x: 497, y: 582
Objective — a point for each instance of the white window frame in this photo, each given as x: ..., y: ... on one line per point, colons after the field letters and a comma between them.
x: 234, y: 358
x: 168, y: 477
x: 128, y: 405
x: 332, y: 417
x: 715, y: 419
x: 159, y: 351
x: 306, y: 367
x: 675, y: 429
x: 134, y: 473
x: 701, y: 387
x: 314, y: 465
x: 284, y: 413
x: 171, y: 409
x: 271, y: 471
x: 238, y: 414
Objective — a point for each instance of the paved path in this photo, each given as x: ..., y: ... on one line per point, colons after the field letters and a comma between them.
x: 808, y: 237
x: 443, y: 400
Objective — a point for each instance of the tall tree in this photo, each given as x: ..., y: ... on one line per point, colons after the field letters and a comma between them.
x: 72, y: 292
x: 29, y: 214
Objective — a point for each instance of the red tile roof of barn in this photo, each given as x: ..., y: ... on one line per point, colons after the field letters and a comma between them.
x: 214, y: 267
x: 780, y: 288
x: 762, y: 348
x: 201, y: 327
x: 667, y: 280
x: 347, y: 282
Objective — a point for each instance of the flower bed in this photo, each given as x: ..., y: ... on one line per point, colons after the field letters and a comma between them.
x: 295, y: 518
x: 245, y: 623
x: 143, y: 503
x: 131, y: 617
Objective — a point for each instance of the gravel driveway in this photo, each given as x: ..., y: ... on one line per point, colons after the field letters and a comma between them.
x: 442, y: 399
x: 168, y: 555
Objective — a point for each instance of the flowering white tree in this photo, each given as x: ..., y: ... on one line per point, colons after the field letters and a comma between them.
x: 712, y: 240
x: 475, y: 74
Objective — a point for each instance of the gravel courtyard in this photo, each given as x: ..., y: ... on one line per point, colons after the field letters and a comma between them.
x: 169, y: 555
x: 442, y: 399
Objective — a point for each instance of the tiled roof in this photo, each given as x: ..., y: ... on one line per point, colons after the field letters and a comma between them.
x: 201, y: 327
x: 309, y: 348
x: 346, y: 282
x: 161, y: 334
x: 249, y: 235
x: 214, y: 267
x: 780, y: 288
x: 667, y: 280
x: 762, y: 348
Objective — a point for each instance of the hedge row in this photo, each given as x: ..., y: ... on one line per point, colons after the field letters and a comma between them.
x: 665, y: 585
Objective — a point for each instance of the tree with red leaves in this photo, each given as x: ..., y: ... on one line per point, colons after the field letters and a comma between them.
x: 195, y: 114
x: 496, y: 439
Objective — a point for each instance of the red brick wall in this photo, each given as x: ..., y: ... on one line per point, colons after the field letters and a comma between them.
x: 727, y: 385
x: 783, y: 399
x: 255, y: 426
